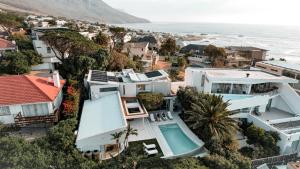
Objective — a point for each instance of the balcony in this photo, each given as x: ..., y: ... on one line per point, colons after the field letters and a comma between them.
x: 22, y: 121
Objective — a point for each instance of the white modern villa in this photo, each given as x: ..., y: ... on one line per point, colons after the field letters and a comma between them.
x: 265, y: 99
x: 113, y: 105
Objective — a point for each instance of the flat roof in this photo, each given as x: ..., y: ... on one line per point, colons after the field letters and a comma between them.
x: 101, y: 115
x: 239, y: 75
x: 283, y: 64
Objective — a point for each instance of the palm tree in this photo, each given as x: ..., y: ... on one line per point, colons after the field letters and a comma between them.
x: 128, y: 132
x: 209, y: 116
x: 116, y: 136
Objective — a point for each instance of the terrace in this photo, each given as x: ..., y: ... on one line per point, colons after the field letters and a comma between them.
x: 274, y: 114
x: 133, y: 109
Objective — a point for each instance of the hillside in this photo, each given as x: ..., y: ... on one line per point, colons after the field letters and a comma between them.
x: 89, y: 10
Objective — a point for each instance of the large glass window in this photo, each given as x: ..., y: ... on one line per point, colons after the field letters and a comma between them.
x: 223, y: 88
x: 4, y: 111
x: 109, y: 89
x: 35, y: 110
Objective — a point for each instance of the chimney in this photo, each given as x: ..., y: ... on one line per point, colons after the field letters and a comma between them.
x: 56, y: 79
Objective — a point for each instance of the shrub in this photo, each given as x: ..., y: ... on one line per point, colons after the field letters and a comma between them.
x: 151, y: 101
x: 72, y: 101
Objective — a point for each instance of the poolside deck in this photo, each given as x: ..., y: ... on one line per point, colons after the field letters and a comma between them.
x: 150, y: 130
x: 275, y: 114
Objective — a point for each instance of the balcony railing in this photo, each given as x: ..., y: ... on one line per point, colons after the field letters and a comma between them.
x: 22, y: 121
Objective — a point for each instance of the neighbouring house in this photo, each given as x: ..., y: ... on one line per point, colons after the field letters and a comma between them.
x: 50, y: 61
x: 141, y: 49
x: 266, y: 100
x: 26, y: 99
x: 17, y: 31
x: 154, y: 42
x: 89, y: 35
x: 281, y: 68
x: 7, y: 46
x: 252, y: 53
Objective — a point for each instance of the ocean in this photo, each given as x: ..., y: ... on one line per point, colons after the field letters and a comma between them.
x: 281, y: 41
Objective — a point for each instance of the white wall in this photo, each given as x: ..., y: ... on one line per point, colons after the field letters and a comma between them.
x: 95, y: 142
x: 280, y: 104
x: 15, y: 109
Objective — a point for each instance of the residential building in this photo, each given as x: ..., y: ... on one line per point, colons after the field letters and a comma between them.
x: 113, y: 102
x: 281, y: 68
x: 7, y: 46
x: 26, y: 99
x: 50, y: 61
x: 266, y: 100
x: 252, y: 53
x: 141, y: 49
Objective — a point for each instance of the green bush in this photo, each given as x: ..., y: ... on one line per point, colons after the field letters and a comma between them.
x: 151, y: 101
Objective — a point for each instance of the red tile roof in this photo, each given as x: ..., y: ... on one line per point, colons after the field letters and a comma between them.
x: 22, y: 89
x: 5, y: 44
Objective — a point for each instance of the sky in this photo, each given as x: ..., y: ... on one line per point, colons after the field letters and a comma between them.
x: 277, y: 12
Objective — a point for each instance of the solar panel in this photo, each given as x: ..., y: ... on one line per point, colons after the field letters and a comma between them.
x: 99, y: 76
x: 112, y: 78
x: 153, y: 74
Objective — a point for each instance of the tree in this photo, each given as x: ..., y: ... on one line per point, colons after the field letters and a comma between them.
x: 23, y: 42
x: 210, y: 117
x: 181, y: 62
x: 118, y: 33
x: 117, y: 136
x: 186, y: 96
x: 151, y: 101
x: 14, y: 63
x: 128, y: 132
x: 66, y: 44
x: 33, y: 57
x: 173, y: 74
x: 117, y: 61
x: 101, y: 39
x: 168, y: 47
x: 217, y: 55
x: 10, y: 20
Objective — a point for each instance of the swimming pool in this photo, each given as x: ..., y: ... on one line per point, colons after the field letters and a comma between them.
x: 227, y: 97
x: 176, y: 139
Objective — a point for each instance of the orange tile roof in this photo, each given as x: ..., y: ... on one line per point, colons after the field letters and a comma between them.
x: 4, y: 44
x: 22, y: 89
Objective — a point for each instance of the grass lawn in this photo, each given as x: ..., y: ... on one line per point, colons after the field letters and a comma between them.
x: 137, y: 149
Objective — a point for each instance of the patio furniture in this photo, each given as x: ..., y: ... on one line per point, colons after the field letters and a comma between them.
x: 152, y: 117
x: 158, y: 118
x: 170, y: 115
x: 150, y: 152
x: 149, y: 146
x: 163, y: 116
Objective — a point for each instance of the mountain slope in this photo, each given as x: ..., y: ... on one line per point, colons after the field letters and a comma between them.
x: 90, y: 10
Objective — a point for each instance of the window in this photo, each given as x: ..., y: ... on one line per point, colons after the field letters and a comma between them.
x: 141, y: 87
x: 35, y: 110
x: 260, y: 66
x: 109, y: 89
x: 202, y: 80
x: 4, y: 111
x: 274, y: 70
x: 48, y: 50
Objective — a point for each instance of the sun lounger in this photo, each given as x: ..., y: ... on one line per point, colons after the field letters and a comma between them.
x: 163, y: 116
x: 152, y: 117
x: 150, y: 152
x: 158, y: 118
x: 170, y: 115
x: 149, y: 146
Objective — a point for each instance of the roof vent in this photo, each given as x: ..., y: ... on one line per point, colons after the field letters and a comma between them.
x: 248, y: 74
x: 56, y: 79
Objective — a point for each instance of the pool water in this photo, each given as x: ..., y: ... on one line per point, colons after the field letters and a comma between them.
x: 176, y: 139
x: 227, y: 97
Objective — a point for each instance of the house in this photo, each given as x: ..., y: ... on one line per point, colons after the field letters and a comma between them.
x: 50, y: 61
x: 141, y: 49
x: 253, y: 53
x: 281, y: 68
x: 113, y: 101
x: 89, y: 35
x: 7, y: 46
x: 266, y: 100
x: 26, y: 99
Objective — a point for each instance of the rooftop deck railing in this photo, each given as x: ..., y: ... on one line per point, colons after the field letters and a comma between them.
x: 22, y: 121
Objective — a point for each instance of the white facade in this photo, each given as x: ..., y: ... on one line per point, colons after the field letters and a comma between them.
x: 264, y: 99
x: 131, y: 84
x: 43, y: 109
